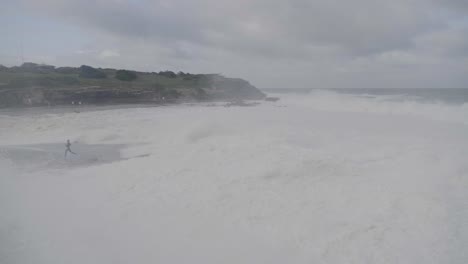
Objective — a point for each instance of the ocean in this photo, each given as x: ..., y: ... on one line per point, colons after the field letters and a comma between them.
x: 320, y: 176
x: 448, y: 96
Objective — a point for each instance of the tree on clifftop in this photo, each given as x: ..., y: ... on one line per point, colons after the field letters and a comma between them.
x: 90, y: 72
x: 125, y: 75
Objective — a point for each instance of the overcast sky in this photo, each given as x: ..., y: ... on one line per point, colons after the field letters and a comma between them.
x: 271, y: 43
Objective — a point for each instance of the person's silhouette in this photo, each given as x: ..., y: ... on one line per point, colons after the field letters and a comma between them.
x: 68, y: 145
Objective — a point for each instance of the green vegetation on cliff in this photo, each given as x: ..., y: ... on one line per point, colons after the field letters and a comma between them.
x: 37, y: 84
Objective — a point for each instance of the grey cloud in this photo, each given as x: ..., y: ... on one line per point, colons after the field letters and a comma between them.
x: 360, y: 27
x: 460, y: 6
x: 330, y: 43
x: 121, y: 18
x: 274, y: 27
x: 450, y: 42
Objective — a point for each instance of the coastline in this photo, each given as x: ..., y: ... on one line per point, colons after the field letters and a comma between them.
x: 34, y: 84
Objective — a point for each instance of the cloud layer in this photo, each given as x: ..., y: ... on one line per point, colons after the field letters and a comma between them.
x: 295, y: 43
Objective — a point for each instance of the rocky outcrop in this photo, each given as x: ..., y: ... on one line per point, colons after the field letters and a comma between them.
x: 230, y: 88
x: 34, y: 85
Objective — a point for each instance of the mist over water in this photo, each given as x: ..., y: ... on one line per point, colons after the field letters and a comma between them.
x: 318, y: 177
x: 432, y: 104
x: 449, y: 95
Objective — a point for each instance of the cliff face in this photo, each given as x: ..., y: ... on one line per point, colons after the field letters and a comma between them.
x: 229, y: 88
x: 32, y: 85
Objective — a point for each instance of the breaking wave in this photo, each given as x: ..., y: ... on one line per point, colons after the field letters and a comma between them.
x: 399, y: 104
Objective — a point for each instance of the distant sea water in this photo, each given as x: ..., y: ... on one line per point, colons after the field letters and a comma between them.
x: 448, y: 96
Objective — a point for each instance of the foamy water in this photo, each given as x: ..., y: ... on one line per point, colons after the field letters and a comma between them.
x: 317, y: 178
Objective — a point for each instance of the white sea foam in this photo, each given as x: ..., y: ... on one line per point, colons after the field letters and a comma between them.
x: 321, y: 178
x: 399, y: 104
